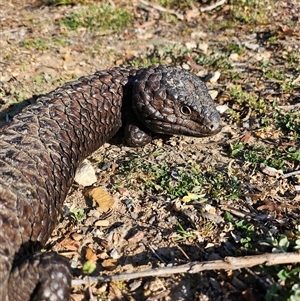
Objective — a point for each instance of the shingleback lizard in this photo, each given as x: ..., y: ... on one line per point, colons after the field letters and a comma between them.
x: 42, y: 146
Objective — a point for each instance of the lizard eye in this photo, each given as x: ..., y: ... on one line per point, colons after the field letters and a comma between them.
x: 185, y: 110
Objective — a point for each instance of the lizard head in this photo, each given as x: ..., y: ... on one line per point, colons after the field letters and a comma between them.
x: 169, y: 100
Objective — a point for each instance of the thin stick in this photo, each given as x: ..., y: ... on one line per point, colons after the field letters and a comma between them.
x: 211, y: 7
x: 229, y: 263
x: 290, y: 174
x: 162, y: 9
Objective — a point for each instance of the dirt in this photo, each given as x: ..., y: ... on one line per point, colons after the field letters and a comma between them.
x: 140, y: 227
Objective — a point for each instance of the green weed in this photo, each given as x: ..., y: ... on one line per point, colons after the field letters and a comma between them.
x: 15, y: 95
x: 98, y: 17
x: 44, y: 44
x: 160, y: 55
x: 216, y: 60
x: 78, y: 214
x: 248, y: 100
x: 236, y: 48
x: 175, y: 4
x: 179, y: 181
x: 274, y: 73
x: 247, y: 234
x: 38, y: 44
x: 248, y: 12
x: 288, y: 122
x: 64, y: 2
x: 287, y: 286
x: 269, y: 156
x: 184, y: 234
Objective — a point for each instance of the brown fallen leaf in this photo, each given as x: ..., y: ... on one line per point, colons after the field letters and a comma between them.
x: 246, y: 137
x: 90, y: 255
x: 77, y: 297
x: 103, y: 199
x: 114, y: 292
x: 90, y: 265
x: 70, y: 244
x: 109, y: 264
x: 102, y: 223
x: 136, y: 237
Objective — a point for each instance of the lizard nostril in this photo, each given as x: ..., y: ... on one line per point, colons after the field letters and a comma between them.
x: 214, y: 127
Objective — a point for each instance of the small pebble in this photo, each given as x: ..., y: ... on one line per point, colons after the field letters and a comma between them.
x: 234, y: 57
x: 270, y: 171
x: 190, y: 45
x: 215, y: 77
x: 85, y: 174
x: 175, y: 175
x: 134, y: 285
x: 73, y: 264
x: 213, y: 94
x: 129, y: 203
x: 114, y: 254
x: 203, y: 47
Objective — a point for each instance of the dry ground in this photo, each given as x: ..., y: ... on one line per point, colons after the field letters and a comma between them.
x: 248, y: 52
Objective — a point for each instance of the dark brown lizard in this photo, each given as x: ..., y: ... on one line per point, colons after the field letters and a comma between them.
x: 42, y: 146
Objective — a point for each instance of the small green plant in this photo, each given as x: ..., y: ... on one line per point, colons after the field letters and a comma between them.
x: 158, y: 56
x: 248, y: 100
x: 184, y: 234
x: 280, y: 245
x: 269, y: 156
x: 98, y: 17
x: 64, y: 2
x: 78, y: 214
x: 44, y: 44
x: 272, y: 39
x: 15, y: 95
x: 274, y: 73
x: 236, y: 48
x: 248, y: 12
x: 175, y: 3
x: 288, y: 285
x: 247, y: 233
x: 89, y: 267
x: 288, y: 122
x: 217, y: 60
x: 38, y: 44
x: 188, y: 182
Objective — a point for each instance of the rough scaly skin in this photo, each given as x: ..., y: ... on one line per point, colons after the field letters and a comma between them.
x: 41, y: 148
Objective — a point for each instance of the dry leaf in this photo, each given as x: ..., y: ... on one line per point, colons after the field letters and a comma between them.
x: 109, y: 264
x: 246, y: 137
x: 90, y: 255
x: 104, y: 200
x: 136, y: 237
x: 77, y: 297
x: 70, y: 244
x: 102, y: 223
x: 76, y: 236
x: 114, y: 292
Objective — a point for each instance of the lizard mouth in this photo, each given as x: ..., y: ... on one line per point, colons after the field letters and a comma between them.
x: 188, y: 128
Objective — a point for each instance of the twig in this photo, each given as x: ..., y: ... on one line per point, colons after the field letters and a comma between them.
x: 290, y: 174
x: 162, y: 9
x: 193, y: 64
x: 211, y: 7
x: 229, y: 263
x: 155, y: 253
